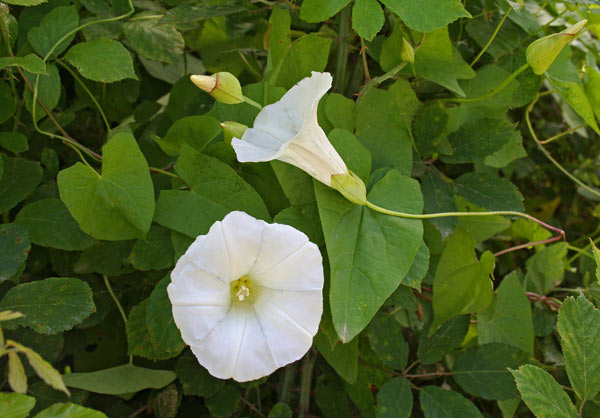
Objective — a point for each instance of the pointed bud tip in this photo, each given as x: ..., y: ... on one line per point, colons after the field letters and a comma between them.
x: 204, y: 82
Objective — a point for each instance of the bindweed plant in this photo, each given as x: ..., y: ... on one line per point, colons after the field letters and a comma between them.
x: 344, y: 208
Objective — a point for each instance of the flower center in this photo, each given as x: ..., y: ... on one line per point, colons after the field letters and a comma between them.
x: 242, y: 289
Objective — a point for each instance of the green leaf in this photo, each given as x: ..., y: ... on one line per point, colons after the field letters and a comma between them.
x: 579, y: 329
x: 509, y: 152
x: 461, y: 284
x: 546, y: 269
x: 50, y: 225
x: 476, y: 140
x: 367, y: 18
x: 120, y: 380
x: 46, y: 396
x: 155, y: 252
x: 280, y: 410
x: 7, y: 102
x: 164, y: 334
x: 16, y: 405
x: 596, y: 253
x: 49, y: 90
x: 542, y: 394
x: 53, y: 27
x: 30, y: 62
x: 317, y: 10
x: 331, y: 398
x: 340, y: 111
x: 427, y: 15
x: 306, y: 54
x: 69, y: 410
x: 509, y: 319
x: 20, y: 178
x: 154, y: 41
x: 489, y: 191
x: 13, y: 141
x: 437, y: 61
x: 438, y: 197
x: 429, y: 129
x: 51, y: 305
x: 14, y: 249
x: 102, y: 60
x: 117, y: 205
x: 342, y: 357
x: 17, y: 379
x: 385, y: 336
x: 376, y: 252
x: 574, y: 94
x: 215, y: 181
x: 394, y: 399
x: 43, y: 369
x: 447, y: 338
x: 105, y: 257
x: 440, y: 403
x: 139, y: 341
x: 194, y: 378
x: 225, y: 402
x: 483, y: 370
x: 195, y: 131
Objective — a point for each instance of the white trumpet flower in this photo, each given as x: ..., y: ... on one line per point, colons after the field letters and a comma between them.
x: 288, y: 130
x: 247, y: 296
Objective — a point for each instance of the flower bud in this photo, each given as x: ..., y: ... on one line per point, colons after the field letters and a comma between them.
x: 233, y: 130
x: 542, y: 53
x: 351, y: 187
x: 407, y: 53
x: 223, y: 86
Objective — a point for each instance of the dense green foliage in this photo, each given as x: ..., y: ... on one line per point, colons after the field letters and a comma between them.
x: 112, y: 162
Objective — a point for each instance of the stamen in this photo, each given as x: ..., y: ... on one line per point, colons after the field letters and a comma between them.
x: 242, y: 293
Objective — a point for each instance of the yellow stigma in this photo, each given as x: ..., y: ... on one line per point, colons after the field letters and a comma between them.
x: 242, y: 289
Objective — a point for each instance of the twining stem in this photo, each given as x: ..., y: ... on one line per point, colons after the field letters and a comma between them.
x: 560, y: 233
x: 119, y: 307
x: 549, y: 156
x: 289, y: 372
x: 305, y: 384
x: 88, y: 92
x: 561, y: 134
x: 363, y: 54
x: 487, y: 45
x: 491, y: 93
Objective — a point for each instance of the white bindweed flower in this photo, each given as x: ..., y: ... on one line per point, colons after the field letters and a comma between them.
x: 247, y: 296
x: 288, y: 130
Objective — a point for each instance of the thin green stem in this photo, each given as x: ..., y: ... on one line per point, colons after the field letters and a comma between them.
x: 489, y: 42
x: 89, y: 93
x: 491, y: 93
x: 378, y: 80
x: 252, y: 102
x: 119, y: 307
x: 561, y: 134
x: 165, y: 172
x: 363, y: 54
x: 305, y: 384
x: 581, y: 251
x: 289, y: 373
x: 549, y: 156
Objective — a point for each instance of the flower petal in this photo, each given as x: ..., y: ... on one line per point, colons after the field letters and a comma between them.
x: 208, y: 253
x: 288, y: 261
x: 243, y: 236
x: 219, y: 351
x: 288, y: 325
x: 191, y: 286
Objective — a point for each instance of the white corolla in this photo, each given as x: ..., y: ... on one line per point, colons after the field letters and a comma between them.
x: 247, y: 296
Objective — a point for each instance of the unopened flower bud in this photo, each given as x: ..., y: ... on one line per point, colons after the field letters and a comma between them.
x: 223, y: 86
x: 542, y: 53
x: 407, y: 53
x: 232, y: 130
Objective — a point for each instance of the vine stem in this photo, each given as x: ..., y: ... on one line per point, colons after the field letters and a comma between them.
x: 341, y: 58
x: 489, y: 42
x: 491, y: 93
x: 363, y: 54
x: 119, y: 307
x: 305, y: 384
x: 252, y: 102
x: 549, y: 156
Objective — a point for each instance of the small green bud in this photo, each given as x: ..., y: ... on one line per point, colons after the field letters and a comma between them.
x: 351, y: 187
x: 407, y: 53
x: 233, y: 130
x: 542, y: 53
x: 223, y: 86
